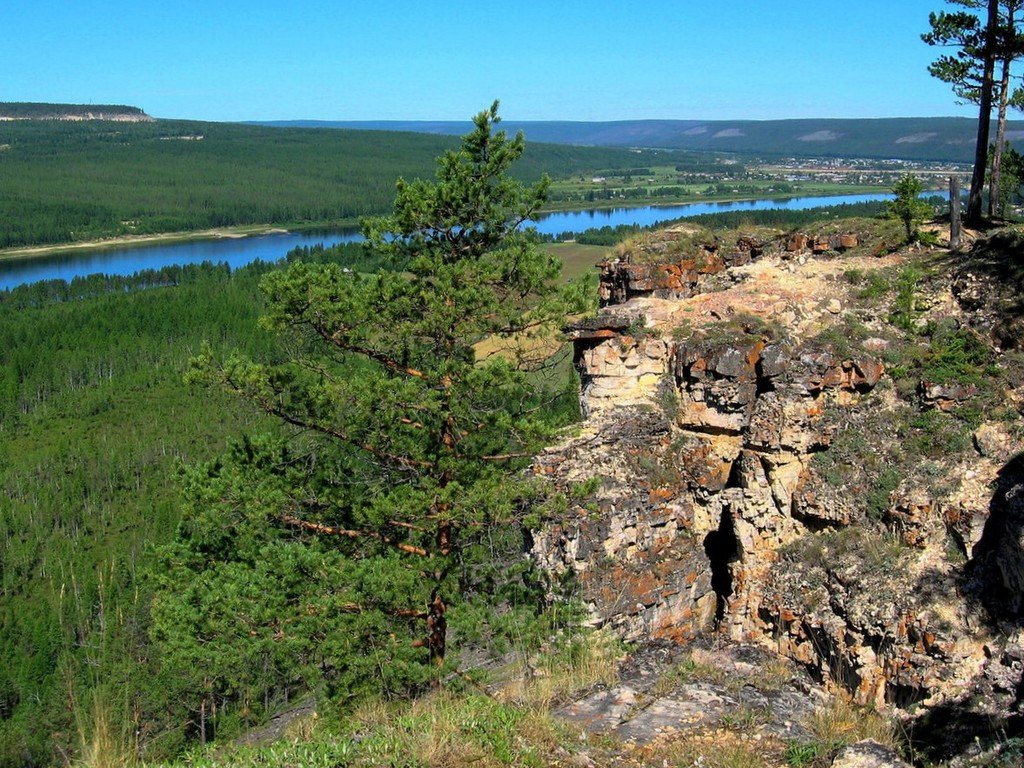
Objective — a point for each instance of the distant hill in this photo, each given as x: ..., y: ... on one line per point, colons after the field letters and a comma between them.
x: 65, y: 181
x: 907, y: 138
x: 28, y: 110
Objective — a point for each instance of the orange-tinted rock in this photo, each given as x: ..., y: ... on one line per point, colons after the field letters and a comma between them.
x: 915, y: 520
x: 797, y: 243
x: 946, y: 397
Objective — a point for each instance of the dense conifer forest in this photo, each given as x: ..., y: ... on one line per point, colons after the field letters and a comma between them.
x: 29, y: 110
x: 96, y: 424
x: 78, y: 181
x: 95, y: 421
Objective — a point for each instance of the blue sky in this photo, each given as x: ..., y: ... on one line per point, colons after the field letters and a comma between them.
x: 593, y: 60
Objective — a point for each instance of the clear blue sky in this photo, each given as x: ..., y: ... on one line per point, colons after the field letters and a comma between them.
x: 398, y: 59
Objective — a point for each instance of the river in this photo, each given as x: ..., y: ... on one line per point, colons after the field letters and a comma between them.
x: 238, y: 252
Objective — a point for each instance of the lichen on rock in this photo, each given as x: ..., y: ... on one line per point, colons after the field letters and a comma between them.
x: 764, y: 478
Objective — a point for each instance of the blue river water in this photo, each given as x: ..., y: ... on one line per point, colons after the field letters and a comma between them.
x: 237, y: 252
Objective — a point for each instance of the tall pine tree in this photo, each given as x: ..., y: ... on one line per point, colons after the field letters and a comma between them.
x: 339, y: 552
x: 980, y: 43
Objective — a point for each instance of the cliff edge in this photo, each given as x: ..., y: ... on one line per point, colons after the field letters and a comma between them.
x: 23, y: 110
x: 812, y: 443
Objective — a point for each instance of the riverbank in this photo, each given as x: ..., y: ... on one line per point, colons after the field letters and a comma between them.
x: 122, y: 241
x: 833, y: 190
x: 237, y: 246
x: 252, y: 230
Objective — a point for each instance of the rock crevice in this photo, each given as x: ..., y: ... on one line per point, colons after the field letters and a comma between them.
x: 712, y: 385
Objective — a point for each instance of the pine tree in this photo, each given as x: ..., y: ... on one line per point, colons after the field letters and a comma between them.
x: 908, y: 207
x: 980, y: 44
x: 339, y: 552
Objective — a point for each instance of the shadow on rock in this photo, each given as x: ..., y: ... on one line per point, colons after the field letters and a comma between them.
x: 990, y: 713
x: 960, y: 727
x: 996, y: 573
x: 989, y: 283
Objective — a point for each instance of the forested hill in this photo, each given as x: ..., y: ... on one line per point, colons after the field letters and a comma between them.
x: 73, y: 181
x: 28, y: 110
x: 911, y: 138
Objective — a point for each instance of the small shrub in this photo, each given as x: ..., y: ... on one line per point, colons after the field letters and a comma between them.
x: 877, y: 497
x: 809, y: 754
x: 876, y: 285
x: 877, y: 551
x: 682, y: 331
x: 745, y: 718
x: 843, y: 338
x: 905, y: 310
x: 883, y: 552
x: 668, y: 399
x: 908, y: 207
x: 741, y: 326
x: 934, y: 434
x: 692, y: 669
x: 957, y: 355
x: 833, y: 727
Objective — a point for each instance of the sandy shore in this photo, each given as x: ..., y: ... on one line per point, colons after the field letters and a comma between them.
x: 164, y: 238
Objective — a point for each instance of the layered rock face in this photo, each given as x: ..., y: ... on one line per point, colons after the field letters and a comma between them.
x: 11, y: 111
x: 704, y: 474
x: 716, y: 411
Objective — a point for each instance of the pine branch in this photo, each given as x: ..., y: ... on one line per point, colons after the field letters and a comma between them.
x: 332, y: 530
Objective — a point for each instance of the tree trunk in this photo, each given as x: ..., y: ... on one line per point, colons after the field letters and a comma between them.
x: 973, y: 218
x: 202, y: 722
x: 437, y: 629
x: 1004, y: 97
x: 954, y: 213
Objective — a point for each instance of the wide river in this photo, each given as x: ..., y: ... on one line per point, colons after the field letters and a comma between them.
x: 240, y: 251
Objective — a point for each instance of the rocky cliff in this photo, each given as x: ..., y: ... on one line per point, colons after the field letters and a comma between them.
x: 811, y: 442
x: 20, y: 110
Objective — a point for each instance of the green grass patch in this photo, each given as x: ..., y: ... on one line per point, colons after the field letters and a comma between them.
x: 578, y: 259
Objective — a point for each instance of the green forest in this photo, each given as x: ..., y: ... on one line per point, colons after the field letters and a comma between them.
x: 96, y: 424
x: 444, y: 498
x: 28, y: 110
x: 94, y: 420
x: 104, y: 445
x: 78, y: 181
x: 97, y: 430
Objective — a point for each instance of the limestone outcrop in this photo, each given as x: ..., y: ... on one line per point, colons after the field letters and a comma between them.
x: 771, y: 471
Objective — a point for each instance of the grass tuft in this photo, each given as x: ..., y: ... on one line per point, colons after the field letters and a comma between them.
x: 838, y: 725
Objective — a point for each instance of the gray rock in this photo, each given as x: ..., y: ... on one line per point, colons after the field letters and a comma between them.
x: 992, y: 441
x: 693, y: 707
x: 601, y: 711
x: 868, y: 754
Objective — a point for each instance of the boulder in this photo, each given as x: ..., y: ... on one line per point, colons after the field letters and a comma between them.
x: 945, y: 397
x: 992, y: 441
x: 868, y: 754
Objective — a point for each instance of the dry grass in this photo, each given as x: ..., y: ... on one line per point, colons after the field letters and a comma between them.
x: 446, y: 730
x: 102, y: 743
x: 512, y: 727
x: 578, y: 259
x: 843, y: 722
x: 449, y: 728
x: 720, y: 750
x: 834, y: 727
x: 665, y: 245
x: 701, y: 666
x: 580, y: 664
x: 523, y: 348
